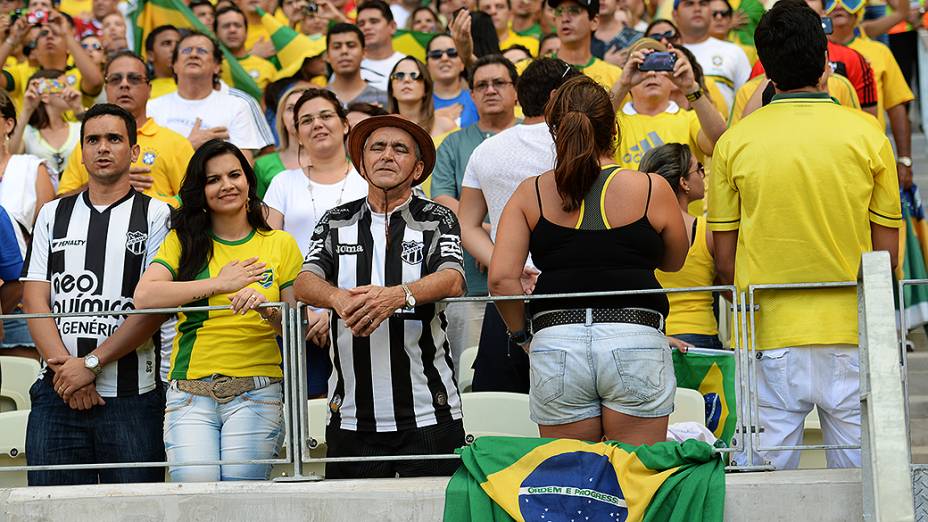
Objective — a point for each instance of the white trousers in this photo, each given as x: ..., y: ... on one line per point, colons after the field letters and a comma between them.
x: 790, y: 382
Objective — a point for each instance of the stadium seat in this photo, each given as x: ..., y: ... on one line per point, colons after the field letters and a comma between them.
x: 317, y: 414
x: 13, y: 447
x: 497, y: 414
x: 19, y: 373
x: 466, y: 369
x: 688, y: 406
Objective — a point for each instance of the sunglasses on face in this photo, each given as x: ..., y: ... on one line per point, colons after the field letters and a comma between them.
x: 572, y: 10
x: 92, y: 46
x: 400, y: 76
x: 134, y: 79
x: 482, y: 86
x: 666, y: 35
x: 436, y: 54
x: 721, y: 14
x: 851, y: 6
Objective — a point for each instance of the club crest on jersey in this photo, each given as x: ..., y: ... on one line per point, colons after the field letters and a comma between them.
x: 412, y: 252
x: 267, y: 278
x: 136, y: 242
x: 148, y: 158
x: 336, y: 403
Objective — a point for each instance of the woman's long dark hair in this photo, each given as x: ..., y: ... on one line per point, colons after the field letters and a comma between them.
x: 582, y: 123
x: 192, y: 220
x: 671, y: 161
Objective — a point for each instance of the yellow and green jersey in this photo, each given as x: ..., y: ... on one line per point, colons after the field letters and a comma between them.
x: 219, y: 342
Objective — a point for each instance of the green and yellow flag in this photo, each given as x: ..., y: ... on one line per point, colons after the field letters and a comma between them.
x: 411, y: 43
x: 292, y: 47
x: 510, y: 478
x: 152, y: 13
x: 714, y: 377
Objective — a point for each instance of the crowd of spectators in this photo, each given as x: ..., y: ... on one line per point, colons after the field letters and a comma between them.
x: 516, y: 147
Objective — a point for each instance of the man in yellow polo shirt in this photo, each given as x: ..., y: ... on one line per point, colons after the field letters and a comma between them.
x: 576, y: 21
x: 162, y: 162
x: 232, y: 31
x: 798, y: 192
x: 159, y: 48
x: 893, y: 93
x: 748, y: 99
x: 501, y: 13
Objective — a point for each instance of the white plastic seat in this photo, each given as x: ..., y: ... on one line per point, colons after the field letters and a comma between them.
x: 688, y: 406
x: 19, y: 374
x: 497, y: 414
x: 466, y: 370
x: 317, y: 413
x: 13, y: 433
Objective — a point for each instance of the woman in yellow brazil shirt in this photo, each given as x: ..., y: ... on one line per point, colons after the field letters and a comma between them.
x: 225, y: 393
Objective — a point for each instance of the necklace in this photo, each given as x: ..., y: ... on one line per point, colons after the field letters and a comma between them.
x: 312, y: 195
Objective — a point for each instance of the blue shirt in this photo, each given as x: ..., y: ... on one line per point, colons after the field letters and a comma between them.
x: 469, y: 114
x: 11, y: 261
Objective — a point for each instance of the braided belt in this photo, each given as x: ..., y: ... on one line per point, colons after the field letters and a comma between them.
x: 598, y: 315
x: 223, y: 388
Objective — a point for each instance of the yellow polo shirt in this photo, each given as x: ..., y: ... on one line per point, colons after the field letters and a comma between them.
x: 260, y: 70
x: 839, y: 88
x: 164, y: 151
x: 219, y: 341
x: 162, y: 86
x: 891, y: 87
x: 639, y: 133
x: 604, y: 73
x: 803, y: 215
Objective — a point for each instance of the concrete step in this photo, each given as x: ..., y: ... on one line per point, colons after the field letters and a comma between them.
x: 919, y: 454
x: 919, y: 432
x: 918, y: 382
x: 917, y: 361
x: 918, y: 406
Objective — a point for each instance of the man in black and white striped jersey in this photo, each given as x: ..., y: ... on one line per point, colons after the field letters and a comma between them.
x: 97, y: 400
x: 380, y: 264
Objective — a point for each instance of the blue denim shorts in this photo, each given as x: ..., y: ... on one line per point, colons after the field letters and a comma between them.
x: 578, y: 369
x: 16, y: 333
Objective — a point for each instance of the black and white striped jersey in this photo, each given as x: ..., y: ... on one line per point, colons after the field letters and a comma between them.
x: 401, y: 377
x: 93, y: 257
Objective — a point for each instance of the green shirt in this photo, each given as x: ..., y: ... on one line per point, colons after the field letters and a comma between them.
x: 447, y: 177
x: 266, y: 167
x: 534, y: 31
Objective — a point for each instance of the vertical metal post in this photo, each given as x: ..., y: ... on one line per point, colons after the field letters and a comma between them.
x: 885, y: 453
x: 923, y: 78
x: 904, y: 355
x: 748, y: 369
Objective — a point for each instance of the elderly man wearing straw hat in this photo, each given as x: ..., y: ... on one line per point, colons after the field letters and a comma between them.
x: 381, y: 264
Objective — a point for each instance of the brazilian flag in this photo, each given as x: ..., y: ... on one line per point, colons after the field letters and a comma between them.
x: 714, y: 377
x: 152, y: 13
x: 411, y: 43
x: 562, y: 480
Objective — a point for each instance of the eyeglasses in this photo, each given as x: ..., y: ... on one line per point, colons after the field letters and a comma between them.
x: 482, y: 86
x: 134, y: 79
x: 91, y: 46
x: 572, y: 10
x: 722, y: 14
x: 700, y: 169
x: 323, y: 116
x: 851, y: 6
x: 666, y: 35
x: 400, y: 76
x: 436, y: 54
x: 201, y: 51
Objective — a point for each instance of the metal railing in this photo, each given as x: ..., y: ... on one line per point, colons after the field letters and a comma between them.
x: 296, y: 420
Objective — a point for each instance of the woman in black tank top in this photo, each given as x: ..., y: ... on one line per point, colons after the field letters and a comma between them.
x: 600, y: 366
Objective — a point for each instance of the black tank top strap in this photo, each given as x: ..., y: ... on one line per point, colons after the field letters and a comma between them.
x: 647, y: 201
x: 538, y: 195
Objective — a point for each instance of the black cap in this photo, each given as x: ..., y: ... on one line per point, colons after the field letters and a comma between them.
x: 591, y: 6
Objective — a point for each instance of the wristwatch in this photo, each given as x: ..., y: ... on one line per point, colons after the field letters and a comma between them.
x: 905, y: 161
x: 522, y: 337
x: 92, y: 363
x: 410, y: 299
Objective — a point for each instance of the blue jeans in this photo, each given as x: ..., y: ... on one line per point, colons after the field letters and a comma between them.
x: 197, y: 428
x: 702, y: 340
x: 126, y: 429
x: 16, y: 333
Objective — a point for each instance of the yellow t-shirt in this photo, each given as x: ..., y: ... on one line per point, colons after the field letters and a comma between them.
x: 164, y: 151
x: 604, y: 73
x: 260, y: 70
x: 691, y: 312
x: 219, y: 342
x: 255, y: 33
x: 512, y: 39
x: 891, y: 87
x: 162, y: 86
x: 639, y: 133
x: 21, y: 72
x: 716, y: 96
x: 802, y: 215
x: 76, y: 8
x: 839, y: 88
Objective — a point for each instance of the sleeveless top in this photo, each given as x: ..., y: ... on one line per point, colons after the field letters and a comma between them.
x: 595, y: 257
x: 691, y: 312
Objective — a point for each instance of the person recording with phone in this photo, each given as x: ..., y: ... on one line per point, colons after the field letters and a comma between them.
x: 651, y: 118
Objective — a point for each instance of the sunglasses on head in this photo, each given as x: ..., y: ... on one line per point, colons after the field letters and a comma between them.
x: 851, y: 6
x: 666, y: 35
x: 436, y: 54
x: 400, y: 76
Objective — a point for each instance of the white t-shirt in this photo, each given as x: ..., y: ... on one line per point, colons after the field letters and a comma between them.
x: 216, y: 110
x: 303, y: 202
x: 500, y: 163
x: 723, y: 60
x: 377, y: 72
x: 400, y: 15
x: 55, y: 159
